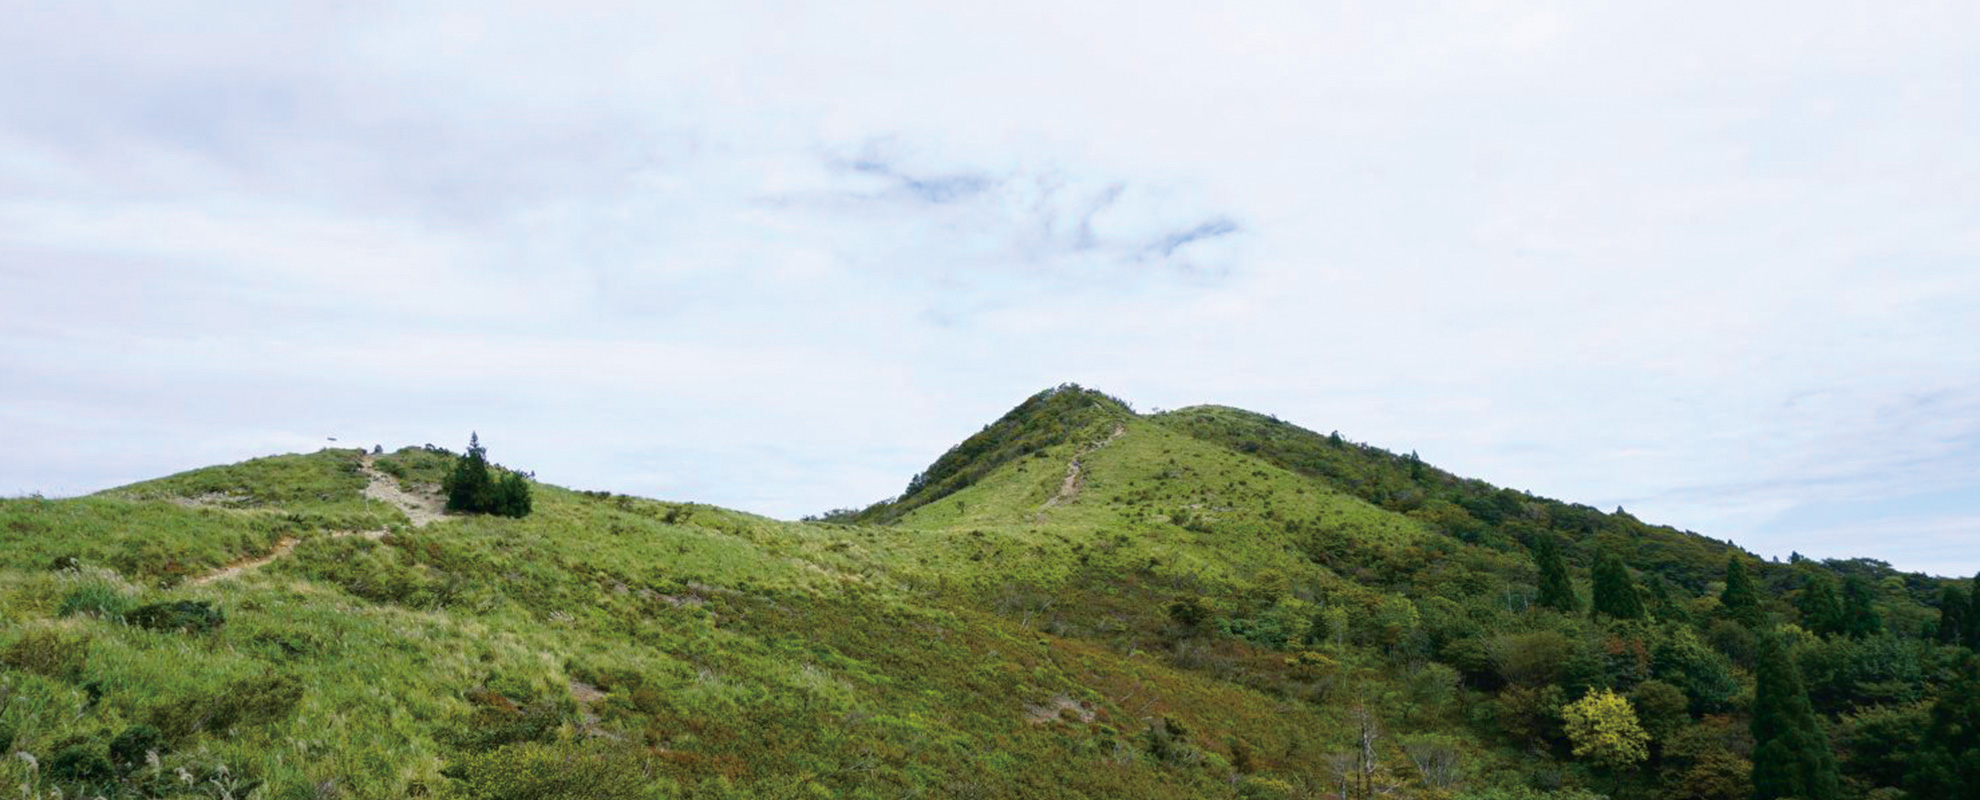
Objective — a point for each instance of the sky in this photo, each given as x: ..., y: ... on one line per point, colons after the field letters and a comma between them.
x: 1718, y: 264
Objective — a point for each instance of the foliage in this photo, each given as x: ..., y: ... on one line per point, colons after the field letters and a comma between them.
x: 189, y: 616
x: 1953, y: 607
x: 1556, y: 591
x: 1615, y: 592
x: 1791, y: 756
x: 1603, y: 727
x: 472, y: 488
x: 1740, y: 599
x: 1859, y: 612
x: 1821, y: 610
x: 1947, y: 767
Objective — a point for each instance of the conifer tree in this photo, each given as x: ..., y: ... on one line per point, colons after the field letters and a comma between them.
x: 1859, y: 608
x: 468, y: 486
x: 1791, y: 755
x: 1953, y: 606
x: 1947, y: 767
x: 473, y: 489
x: 1740, y: 599
x: 1556, y: 590
x: 1973, y: 615
x: 1615, y: 594
x: 1821, y: 611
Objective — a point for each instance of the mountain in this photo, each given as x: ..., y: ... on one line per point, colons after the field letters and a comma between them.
x: 1077, y: 601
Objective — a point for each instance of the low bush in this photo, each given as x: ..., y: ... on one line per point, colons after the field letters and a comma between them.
x: 48, y: 652
x: 189, y: 616
x: 255, y: 700
x: 592, y: 770
x: 130, y: 749
x: 80, y: 764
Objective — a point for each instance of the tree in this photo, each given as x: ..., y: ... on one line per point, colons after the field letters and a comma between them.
x: 472, y: 489
x: 468, y: 486
x: 1859, y: 608
x: 1953, y: 605
x: 1948, y: 766
x: 1740, y: 599
x: 1973, y: 615
x: 1821, y: 611
x: 1556, y: 590
x: 1791, y: 755
x: 1602, y: 727
x: 1615, y: 593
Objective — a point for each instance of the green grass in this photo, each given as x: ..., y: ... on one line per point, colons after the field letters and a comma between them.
x: 1003, y: 637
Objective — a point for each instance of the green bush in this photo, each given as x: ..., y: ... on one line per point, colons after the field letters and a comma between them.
x: 253, y: 700
x: 80, y: 764
x: 594, y: 770
x: 48, y: 652
x: 129, y: 749
x: 190, y: 616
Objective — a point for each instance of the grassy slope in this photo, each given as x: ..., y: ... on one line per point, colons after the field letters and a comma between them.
x: 1000, y: 638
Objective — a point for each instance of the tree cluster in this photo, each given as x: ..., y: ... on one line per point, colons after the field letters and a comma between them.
x: 473, y: 488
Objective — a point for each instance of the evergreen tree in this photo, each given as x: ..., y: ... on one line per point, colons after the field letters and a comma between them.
x: 1821, y: 611
x: 1859, y: 610
x: 469, y: 487
x: 1791, y: 755
x: 1947, y: 767
x: 473, y: 489
x: 1556, y: 590
x: 1973, y: 615
x: 1953, y: 606
x: 1740, y: 599
x: 1615, y: 594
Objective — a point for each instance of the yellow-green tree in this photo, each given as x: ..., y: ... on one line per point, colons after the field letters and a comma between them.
x: 1603, y: 728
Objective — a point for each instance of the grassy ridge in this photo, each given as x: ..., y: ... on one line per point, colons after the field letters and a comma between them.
x: 1079, y: 602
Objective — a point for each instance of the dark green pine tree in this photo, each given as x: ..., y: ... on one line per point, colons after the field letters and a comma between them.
x: 1740, y: 600
x: 1947, y: 767
x: 1615, y: 594
x: 1859, y: 609
x: 1556, y: 590
x: 1821, y: 611
x: 1973, y: 615
x: 469, y: 487
x: 1791, y: 755
x: 1953, y: 605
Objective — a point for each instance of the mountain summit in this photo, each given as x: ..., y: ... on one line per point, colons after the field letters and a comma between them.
x: 1076, y: 601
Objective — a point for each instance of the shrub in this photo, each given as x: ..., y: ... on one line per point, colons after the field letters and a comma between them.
x: 48, y: 652
x: 129, y: 749
x: 472, y: 488
x: 594, y: 770
x: 190, y: 616
x: 245, y: 701
x: 80, y: 764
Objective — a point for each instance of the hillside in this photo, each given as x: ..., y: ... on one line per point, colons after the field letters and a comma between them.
x: 1078, y: 601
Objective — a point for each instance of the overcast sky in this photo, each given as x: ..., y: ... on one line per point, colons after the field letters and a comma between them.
x: 1716, y: 263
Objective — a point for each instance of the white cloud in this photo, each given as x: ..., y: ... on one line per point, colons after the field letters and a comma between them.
x: 779, y: 258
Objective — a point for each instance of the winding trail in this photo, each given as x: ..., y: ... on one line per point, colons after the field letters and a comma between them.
x: 420, y: 508
x: 1069, y: 490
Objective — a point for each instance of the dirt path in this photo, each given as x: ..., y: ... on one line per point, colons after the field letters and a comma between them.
x: 1069, y: 490
x: 421, y: 508
x: 280, y: 549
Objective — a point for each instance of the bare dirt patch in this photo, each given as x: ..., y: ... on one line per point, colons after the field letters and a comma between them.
x: 422, y: 507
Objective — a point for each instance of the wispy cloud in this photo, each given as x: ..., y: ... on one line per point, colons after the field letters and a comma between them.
x: 780, y: 258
